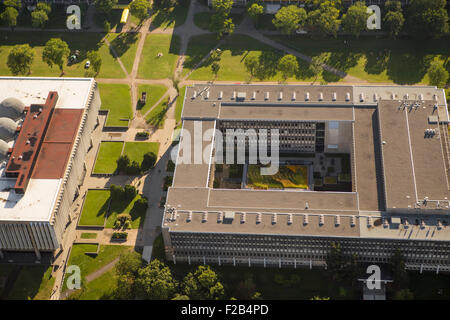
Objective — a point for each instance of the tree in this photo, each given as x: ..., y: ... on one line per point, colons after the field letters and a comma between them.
x: 155, y: 281
x: 141, y: 204
x: 38, y: 19
x: 20, y: 59
x: 139, y: 9
x: 427, y: 18
x: 393, y: 22
x: 55, y: 52
x: 397, y: 266
x: 180, y: 297
x: 393, y: 5
x: 254, y: 11
x: 316, y: 65
x: 355, y: 20
x: 105, y: 6
x: 17, y: 4
x: 9, y: 16
x: 96, y: 60
x: 288, y: 66
x: 251, y: 64
x: 133, y: 168
x: 437, y: 74
x: 43, y: 6
x: 117, y: 193
x: 126, y: 270
x: 149, y: 161
x: 122, y: 163
x: 290, y: 18
x: 130, y: 192
x: 220, y: 21
x: 215, y: 67
x: 335, y: 261
x: 324, y: 20
x: 203, y: 284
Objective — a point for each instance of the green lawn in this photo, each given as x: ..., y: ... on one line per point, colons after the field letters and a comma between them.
x: 118, y: 207
x: 290, y: 176
x: 125, y: 45
x: 94, y: 208
x: 168, y: 18
x: 234, y: 51
x: 400, y: 61
x: 90, y: 263
x: 179, y: 105
x: 109, y: 152
x: 203, y: 19
x: 117, y: 99
x: 83, y: 42
x: 136, y: 150
x: 154, y: 67
x: 157, y: 116
x: 33, y: 283
x: 88, y: 235
x: 101, y: 288
x: 154, y: 93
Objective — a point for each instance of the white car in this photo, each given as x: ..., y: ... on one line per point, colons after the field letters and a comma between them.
x: 88, y: 64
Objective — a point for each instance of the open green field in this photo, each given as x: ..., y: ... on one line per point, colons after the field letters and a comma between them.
x: 94, y: 208
x: 288, y: 176
x: 119, y: 207
x: 90, y: 263
x: 117, y: 99
x: 157, y: 116
x: 203, y: 19
x: 101, y: 288
x: 400, y: 61
x: 125, y: 46
x: 154, y: 93
x: 136, y: 150
x: 109, y: 152
x: 179, y: 105
x: 33, y: 283
x: 234, y: 51
x: 168, y: 18
x: 153, y: 67
x: 83, y: 42
x: 88, y: 235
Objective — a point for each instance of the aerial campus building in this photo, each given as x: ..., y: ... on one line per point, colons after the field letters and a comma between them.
x: 45, y: 133
x: 363, y: 166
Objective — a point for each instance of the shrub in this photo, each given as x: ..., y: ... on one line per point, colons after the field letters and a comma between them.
x: 141, y: 204
x: 120, y: 235
x: 123, y: 163
x: 142, y: 134
x: 133, y: 169
x: 123, y: 218
x: 117, y: 192
x: 149, y: 161
x: 130, y: 192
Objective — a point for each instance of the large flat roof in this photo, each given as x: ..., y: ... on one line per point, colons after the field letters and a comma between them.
x: 391, y: 157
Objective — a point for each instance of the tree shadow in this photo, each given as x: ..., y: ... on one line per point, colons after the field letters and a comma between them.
x: 408, y: 67
x: 123, y: 42
x: 377, y: 62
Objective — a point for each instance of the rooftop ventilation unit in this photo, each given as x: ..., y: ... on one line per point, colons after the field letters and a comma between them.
x: 241, y: 96
x: 421, y: 97
x: 258, y: 217
x: 422, y: 224
x: 243, y: 217
x: 289, y: 221
x: 274, y: 218
x: 347, y: 96
x: 385, y: 223
x: 220, y: 95
x: 375, y: 97
x: 369, y: 222
x: 254, y: 95
x: 321, y: 220
x: 280, y: 95
x: 406, y: 96
x: 307, y: 96
x: 352, y: 221
x: 321, y: 96
x: 194, y: 94
x: 266, y: 96
x: 337, y: 220
x: 189, y: 217
x: 305, y: 219
x: 334, y: 96
x: 439, y: 225
x: 220, y: 217
x: 435, y: 97
x: 294, y: 96
x: 393, y: 96
x: 229, y: 215
x: 205, y: 216
x: 406, y: 223
x: 207, y: 95
x: 233, y: 97
x: 361, y: 97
